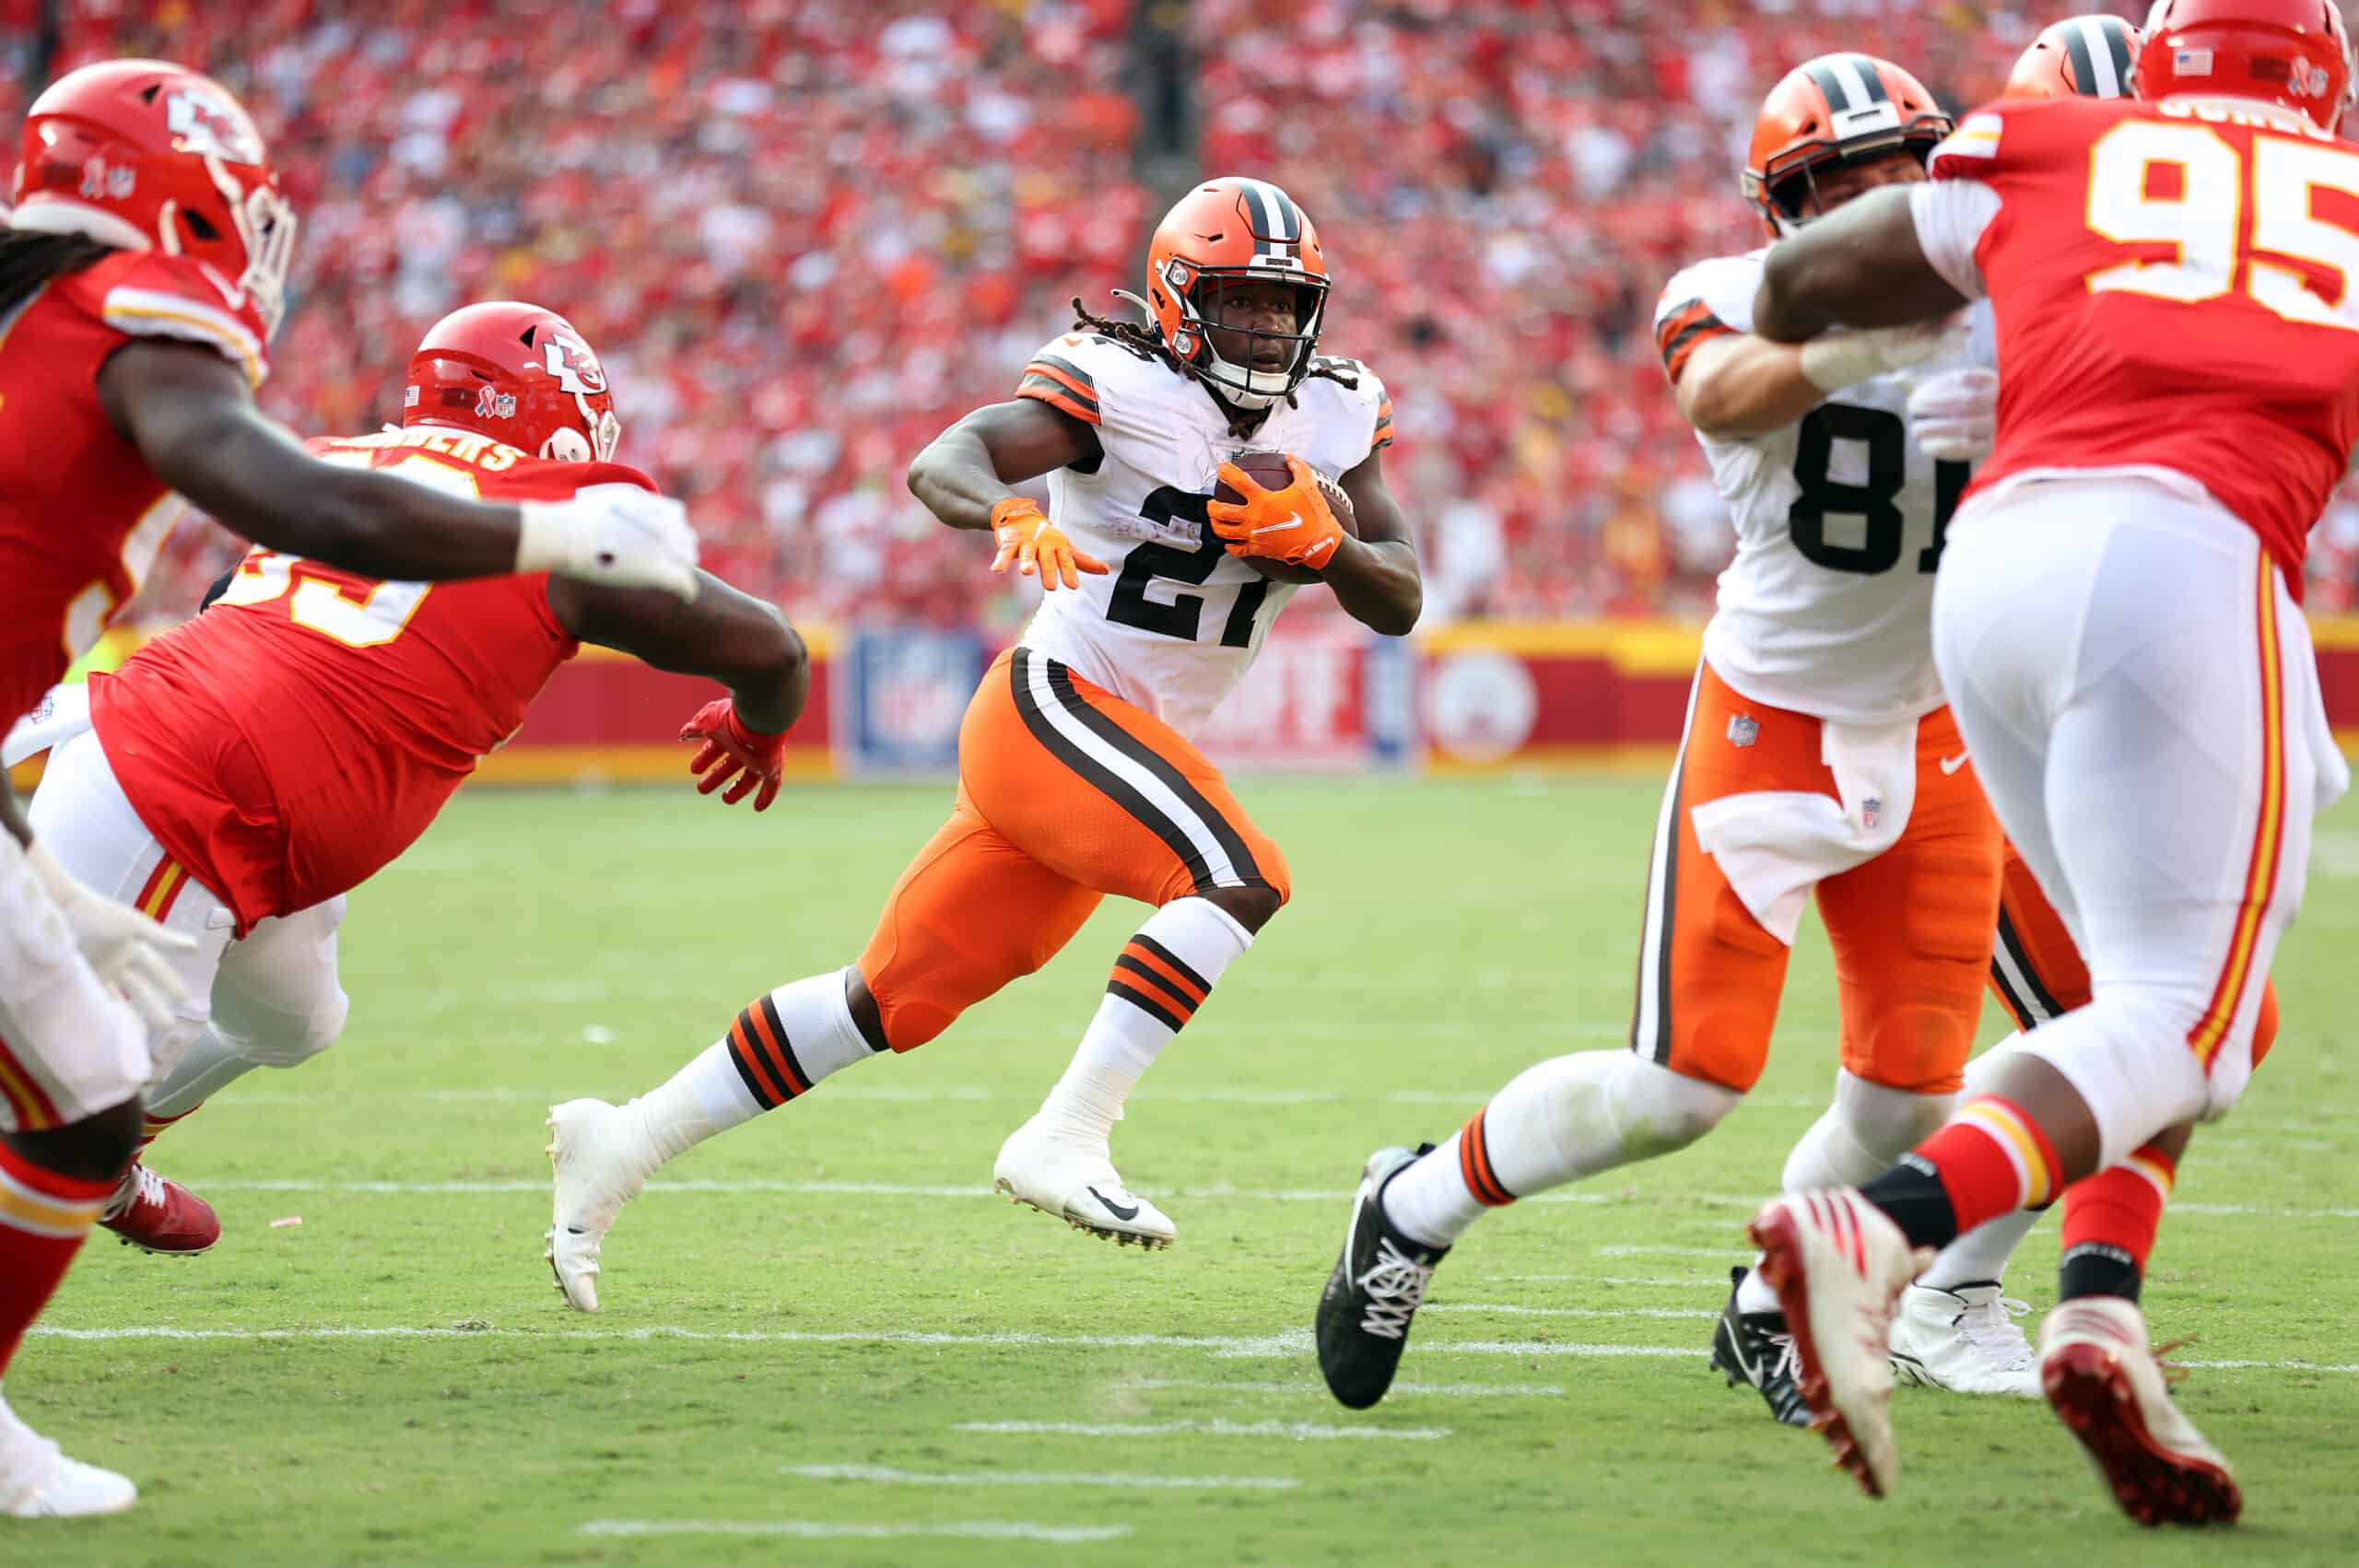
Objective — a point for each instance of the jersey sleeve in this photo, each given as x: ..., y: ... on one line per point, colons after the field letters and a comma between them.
x: 1952, y: 216
x: 1060, y: 376
x: 1709, y: 299
x: 1128, y: 397
x: 174, y: 296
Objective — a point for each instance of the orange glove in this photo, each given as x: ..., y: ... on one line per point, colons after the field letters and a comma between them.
x: 1029, y: 539
x: 1294, y: 525
x: 731, y: 750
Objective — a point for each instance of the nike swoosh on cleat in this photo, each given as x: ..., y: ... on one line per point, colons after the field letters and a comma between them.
x: 1113, y: 1208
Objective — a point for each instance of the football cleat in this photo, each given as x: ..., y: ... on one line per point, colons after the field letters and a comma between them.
x: 1073, y: 1179
x: 39, y: 1482
x: 600, y: 1157
x: 1754, y: 1349
x: 1965, y: 1341
x: 2104, y: 1380
x: 157, y: 1214
x: 1838, y: 1264
x: 1374, y: 1291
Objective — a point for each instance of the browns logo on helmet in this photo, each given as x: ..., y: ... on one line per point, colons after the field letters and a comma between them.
x: 2294, y: 54
x: 518, y: 373
x: 1225, y: 233
x: 1836, y: 109
x: 147, y: 156
x: 2083, y: 56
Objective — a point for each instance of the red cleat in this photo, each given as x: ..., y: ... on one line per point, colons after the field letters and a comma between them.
x: 162, y: 1216
x: 2109, y: 1388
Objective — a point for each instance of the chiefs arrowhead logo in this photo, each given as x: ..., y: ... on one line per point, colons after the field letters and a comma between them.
x: 569, y: 360
x: 211, y: 126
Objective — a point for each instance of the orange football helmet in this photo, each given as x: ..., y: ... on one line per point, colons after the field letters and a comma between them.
x: 1227, y: 231
x: 2083, y: 56
x: 1836, y: 109
x: 2294, y: 54
x: 519, y: 374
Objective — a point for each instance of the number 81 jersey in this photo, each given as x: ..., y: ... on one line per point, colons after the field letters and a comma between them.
x: 1176, y: 621
x: 1826, y: 609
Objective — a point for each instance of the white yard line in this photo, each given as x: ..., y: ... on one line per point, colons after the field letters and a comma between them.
x: 813, y: 1529
x: 1513, y: 1310
x: 1296, y: 1430
x: 1672, y: 1282
x: 881, y: 1475
x: 1445, y: 1390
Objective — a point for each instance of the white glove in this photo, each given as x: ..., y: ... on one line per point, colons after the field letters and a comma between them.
x: 616, y: 535
x: 131, y: 953
x: 1843, y: 358
x: 1954, y: 415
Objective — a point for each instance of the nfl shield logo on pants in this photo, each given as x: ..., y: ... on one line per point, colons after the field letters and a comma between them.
x: 1871, y: 811
x: 1743, y: 729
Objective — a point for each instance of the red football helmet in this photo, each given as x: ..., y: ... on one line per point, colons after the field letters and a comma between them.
x: 1836, y: 109
x: 2086, y: 56
x: 2289, y: 52
x: 1226, y: 232
x: 519, y: 374
x: 146, y: 156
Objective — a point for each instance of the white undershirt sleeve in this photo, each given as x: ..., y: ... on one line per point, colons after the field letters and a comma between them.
x: 1951, y: 216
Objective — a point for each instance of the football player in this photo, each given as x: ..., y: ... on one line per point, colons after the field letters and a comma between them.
x: 2036, y: 972
x: 1817, y: 760
x: 2118, y: 622
x: 142, y: 269
x: 1076, y: 777
x: 239, y: 774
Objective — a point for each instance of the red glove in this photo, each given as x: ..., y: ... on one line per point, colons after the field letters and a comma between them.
x: 729, y: 747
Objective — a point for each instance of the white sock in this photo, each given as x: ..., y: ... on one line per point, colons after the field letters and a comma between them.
x: 1981, y: 1255
x: 776, y: 1050
x: 210, y: 1065
x: 1564, y: 1119
x: 1863, y: 1133
x: 1163, y: 975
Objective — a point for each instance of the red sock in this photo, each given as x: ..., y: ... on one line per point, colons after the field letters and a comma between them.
x: 43, y: 1217
x: 2109, y: 1224
x: 153, y: 1128
x: 1991, y: 1160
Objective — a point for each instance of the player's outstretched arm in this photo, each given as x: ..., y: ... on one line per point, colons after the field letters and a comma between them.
x: 966, y: 470
x: 1740, y: 386
x: 1374, y: 576
x: 721, y: 634
x: 192, y: 418
x: 1861, y: 265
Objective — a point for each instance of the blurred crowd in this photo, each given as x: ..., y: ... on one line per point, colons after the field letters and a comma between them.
x: 807, y: 234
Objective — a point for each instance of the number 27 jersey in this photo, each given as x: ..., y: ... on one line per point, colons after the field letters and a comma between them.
x: 1176, y: 621
x: 1826, y: 609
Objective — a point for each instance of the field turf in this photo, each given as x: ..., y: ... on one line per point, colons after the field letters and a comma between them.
x: 823, y: 1336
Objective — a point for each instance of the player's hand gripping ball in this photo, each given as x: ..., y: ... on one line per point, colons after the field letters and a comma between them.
x: 732, y: 751
x: 1280, y: 516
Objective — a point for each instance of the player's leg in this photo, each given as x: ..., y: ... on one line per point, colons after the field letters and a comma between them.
x: 82, y: 816
x: 970, y: 914
x: 1103, y: 792
x: 2140, y: 696
x: 1708, y: 981
x: 277, y: 1002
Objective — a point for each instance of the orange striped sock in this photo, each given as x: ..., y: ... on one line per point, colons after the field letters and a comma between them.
x: 43, y: 1218
x: 1990, y: 1160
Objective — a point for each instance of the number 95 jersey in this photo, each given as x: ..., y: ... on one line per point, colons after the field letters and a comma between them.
x: 1826, y: 609
x: 1176, y: 621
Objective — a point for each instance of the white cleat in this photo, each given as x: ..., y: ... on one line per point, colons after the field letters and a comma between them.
x: 1838, y: 1265
x: 2104, y: 1380
x: 601, y: 1157
x: 1074, y: 1180
x: 1965, y: 1340
x: 39, y: 1482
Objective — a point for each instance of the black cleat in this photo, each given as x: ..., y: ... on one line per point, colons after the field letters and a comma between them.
x: 1378, y: 1285
x: 1754, y: 1349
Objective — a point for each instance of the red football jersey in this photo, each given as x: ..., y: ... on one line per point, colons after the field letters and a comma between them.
x: 80, y: 517
x: 2177, y: 287
x: 287, y: 742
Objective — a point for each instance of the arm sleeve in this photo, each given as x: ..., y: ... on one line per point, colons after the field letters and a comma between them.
x: 1950, y: 218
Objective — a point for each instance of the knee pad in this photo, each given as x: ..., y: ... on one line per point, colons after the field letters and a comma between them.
x: 1575, y: 1116
x: 290, y: 1040
x: 2128, y: 1056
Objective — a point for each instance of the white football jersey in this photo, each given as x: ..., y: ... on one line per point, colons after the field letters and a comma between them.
x: 1826, y: 609
x: 1177, y: 621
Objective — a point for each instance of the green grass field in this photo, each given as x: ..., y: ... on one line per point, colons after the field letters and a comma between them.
x: 824, y: 1321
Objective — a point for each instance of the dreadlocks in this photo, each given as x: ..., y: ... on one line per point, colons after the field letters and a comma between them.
x: 30, y: 261
x: 1148, y: 344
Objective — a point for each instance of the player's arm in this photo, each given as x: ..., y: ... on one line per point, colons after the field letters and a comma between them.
x: 1740, y: 386
x: 1862, y: 265
x: 192, y: 416
x: 964, y: 473
x: 1374, y: 576
x: 721, y: 634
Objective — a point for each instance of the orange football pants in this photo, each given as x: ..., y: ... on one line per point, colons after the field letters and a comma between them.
x: 1066, y: 794
x: 2035, y: 968
x: 1910, y: 929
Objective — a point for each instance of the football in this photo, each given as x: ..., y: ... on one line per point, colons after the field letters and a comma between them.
x: 1269, y: 470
